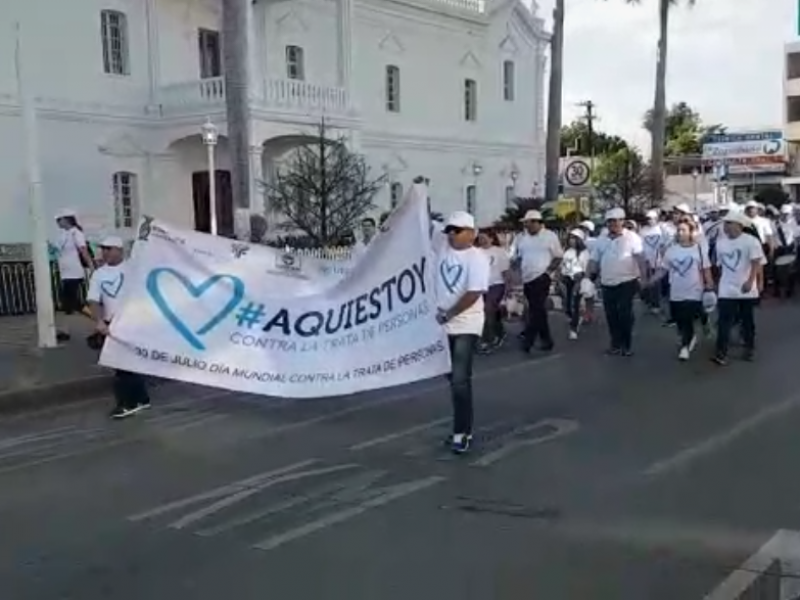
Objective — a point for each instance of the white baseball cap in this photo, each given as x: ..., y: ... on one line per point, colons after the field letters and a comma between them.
x: 751, y: 204
x: 588, y: 225
x: 652, y: 214
x: 615, y: 214
x: 532, y: 215
x: 578, y: 233
x: 683, y: 208
x: 66, y: 213
x: 112, y: 241
x: 787, y: 209
x: 460, y: 220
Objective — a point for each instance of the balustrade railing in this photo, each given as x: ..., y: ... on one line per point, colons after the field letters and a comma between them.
x: 284, y: 94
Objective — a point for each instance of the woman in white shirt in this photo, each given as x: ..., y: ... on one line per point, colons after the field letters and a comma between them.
x: 573, y: 270
x: 74, y: 259
x: 494, y: 333
x: 741, y: 260
x: 688, y: 267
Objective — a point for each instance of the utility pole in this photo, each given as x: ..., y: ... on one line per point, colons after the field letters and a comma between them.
x: 589, y: 117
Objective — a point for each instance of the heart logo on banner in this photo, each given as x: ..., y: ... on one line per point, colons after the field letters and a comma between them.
x: 174, y: 311
x: 731, y: 260
x: 113, y: 287
x: 681, y: 267
x: 451, y: 275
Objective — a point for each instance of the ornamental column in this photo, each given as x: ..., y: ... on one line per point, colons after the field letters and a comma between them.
x: 345, y: 31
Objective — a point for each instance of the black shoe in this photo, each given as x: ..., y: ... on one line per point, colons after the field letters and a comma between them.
x: 143, y: 405
x: 613, y: 352
x: 626, y: 352
x: 720, y: 359
x: 668, y: 324
x: 63, y: 336
x: 122, y: 413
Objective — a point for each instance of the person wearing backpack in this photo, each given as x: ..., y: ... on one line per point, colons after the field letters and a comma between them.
x: 74, y: 260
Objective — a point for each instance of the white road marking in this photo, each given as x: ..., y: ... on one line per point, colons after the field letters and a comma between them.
x: 391, y: 494
x: 719, y: 441
x: 562, y: 427
x: 783, y: 547
x: 390, y: 437
x: 411, y: 395
x: 216, y: 507
x: 224, y: 490
x: 293, y: 502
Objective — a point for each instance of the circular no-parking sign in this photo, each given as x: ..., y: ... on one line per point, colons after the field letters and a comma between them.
x: 577, y: 173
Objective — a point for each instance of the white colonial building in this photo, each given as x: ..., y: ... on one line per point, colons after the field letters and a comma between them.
x: 452, y: 89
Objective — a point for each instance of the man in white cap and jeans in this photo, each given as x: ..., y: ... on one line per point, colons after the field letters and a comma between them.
x: 462, y: 278
x: 619, y: 259
x: 106, y: 287
x: 538, y: 252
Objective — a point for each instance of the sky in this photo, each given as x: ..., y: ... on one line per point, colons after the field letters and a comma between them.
x: 725, y: 59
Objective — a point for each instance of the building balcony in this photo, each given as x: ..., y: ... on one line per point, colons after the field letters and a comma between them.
x: 280, y: 95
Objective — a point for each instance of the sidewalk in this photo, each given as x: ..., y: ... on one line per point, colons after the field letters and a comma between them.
x: 33, y: 377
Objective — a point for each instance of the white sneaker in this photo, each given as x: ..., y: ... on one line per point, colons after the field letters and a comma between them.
x: 684, y: 353
x: 693, y: 343
x: 573, y: 335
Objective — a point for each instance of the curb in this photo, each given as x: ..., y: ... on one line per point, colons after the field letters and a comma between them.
x: 55, y: 394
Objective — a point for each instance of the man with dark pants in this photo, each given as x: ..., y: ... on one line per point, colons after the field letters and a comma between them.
x: 741, y: 260
x: 620, y: 261
x: 105, y: 291
x: 538, y: 252
x: 462, y: 278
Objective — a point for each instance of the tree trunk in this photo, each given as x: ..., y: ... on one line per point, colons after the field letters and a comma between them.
x: 235, y: 40
x: 553, y: 148
x: 658, y: 134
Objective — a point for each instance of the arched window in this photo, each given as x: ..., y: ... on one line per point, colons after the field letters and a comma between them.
x: 472, y: 199
x: 396, y: 194
x: 126, y: 199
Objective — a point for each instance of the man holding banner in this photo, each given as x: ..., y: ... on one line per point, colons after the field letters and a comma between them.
x: 462, y: 278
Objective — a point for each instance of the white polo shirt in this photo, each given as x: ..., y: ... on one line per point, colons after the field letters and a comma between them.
x: 536, y: 253
x: 618, y: 257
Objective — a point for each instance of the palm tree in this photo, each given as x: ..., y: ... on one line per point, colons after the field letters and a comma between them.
x: 554, y: 98
x: 235, y: 40
x: 658, y: 133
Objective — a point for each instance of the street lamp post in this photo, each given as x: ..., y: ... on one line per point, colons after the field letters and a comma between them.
x: 210, y: 135
x: 695, y: 175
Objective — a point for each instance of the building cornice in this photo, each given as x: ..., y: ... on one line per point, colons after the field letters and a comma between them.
x: 495, y: 146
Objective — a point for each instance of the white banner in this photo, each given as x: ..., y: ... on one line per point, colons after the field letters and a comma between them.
x: 216, y: 312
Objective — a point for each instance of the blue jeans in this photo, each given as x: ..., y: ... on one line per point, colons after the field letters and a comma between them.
x: 462, y: 351
x: 572, y: 302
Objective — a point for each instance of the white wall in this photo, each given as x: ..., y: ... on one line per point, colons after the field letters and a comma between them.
x: 75, y: 174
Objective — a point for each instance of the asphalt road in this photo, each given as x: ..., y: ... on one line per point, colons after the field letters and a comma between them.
x: 594, y: 477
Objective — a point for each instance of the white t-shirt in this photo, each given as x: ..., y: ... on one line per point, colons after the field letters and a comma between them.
x: 459, y: 272
x: 617, y: 257
x: 652, y: 243
x: 574, y: 263
x: 536, y: 253
x: 69, y: 259
x: 105, y: 287
x: 685, y: 265
x: 499, y: 263
x: 734, y: 258
x: 763, y: 227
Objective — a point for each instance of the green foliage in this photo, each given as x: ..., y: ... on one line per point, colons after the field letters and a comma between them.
x: 575, y: 141
x: 685, y: 130
x: 622, y: 177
